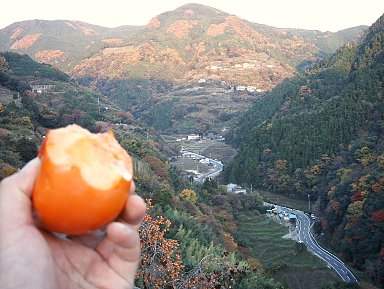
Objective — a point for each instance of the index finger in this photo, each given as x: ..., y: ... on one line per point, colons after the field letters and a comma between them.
x: 15, y: 196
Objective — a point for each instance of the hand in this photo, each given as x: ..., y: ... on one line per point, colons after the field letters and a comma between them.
x: 32, y: 258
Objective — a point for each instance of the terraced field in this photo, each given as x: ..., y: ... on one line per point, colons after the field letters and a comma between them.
x: 263, y: 237
x: 284, y: 259
x: 215, y: 149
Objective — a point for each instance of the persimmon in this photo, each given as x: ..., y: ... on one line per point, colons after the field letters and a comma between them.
x: 84, y: 180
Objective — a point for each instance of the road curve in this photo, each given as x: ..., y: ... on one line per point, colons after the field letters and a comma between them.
x: 216, y: 170
x: 306, y: 237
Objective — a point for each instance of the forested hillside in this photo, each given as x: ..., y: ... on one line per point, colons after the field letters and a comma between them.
x: 187, y: 235
x: 177, y: 61
x: 321, y: 134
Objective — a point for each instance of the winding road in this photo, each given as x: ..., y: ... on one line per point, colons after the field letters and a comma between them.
x: 305, y: 236
x: 304, y: 225
x: 217, y: 167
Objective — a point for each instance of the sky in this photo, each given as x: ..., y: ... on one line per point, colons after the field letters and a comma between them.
x: 323, y: 15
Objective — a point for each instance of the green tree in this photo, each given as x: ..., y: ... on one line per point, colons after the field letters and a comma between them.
x: 27, y: 149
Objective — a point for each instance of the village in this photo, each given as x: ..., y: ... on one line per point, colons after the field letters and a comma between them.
x: 198, y: 163
x: 285, y: 218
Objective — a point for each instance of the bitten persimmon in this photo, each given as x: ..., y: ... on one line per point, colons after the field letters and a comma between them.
x: 84, y: 180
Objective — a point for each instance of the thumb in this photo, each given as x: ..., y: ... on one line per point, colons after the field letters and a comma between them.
x: 15, y: 196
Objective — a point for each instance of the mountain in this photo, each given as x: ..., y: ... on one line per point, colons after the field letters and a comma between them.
x: 320, y: 135
x: 184, y: 70
x: 189, y: 43
x: 196, y: 41
x: 62, y: 43
x: 137, y: 67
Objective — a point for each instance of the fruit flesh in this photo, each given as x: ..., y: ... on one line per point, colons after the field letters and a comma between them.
x: 84, y: 180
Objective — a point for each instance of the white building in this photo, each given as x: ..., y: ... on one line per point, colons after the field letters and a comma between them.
x: 234, y: 188
x: 193, y: 137
x: 39, y: 88
x: 251, y: 88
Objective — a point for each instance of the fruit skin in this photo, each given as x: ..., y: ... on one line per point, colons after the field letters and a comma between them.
x: 65, y: 203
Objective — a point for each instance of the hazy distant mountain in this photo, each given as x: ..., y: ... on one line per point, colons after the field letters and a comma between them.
x: 187, y: 44
x: 60, y: 42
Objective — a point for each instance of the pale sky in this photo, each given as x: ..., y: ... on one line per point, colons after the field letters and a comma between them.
x: 324, y: 15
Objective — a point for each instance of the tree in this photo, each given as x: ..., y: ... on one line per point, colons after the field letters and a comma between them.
x: 6, y: 170
x: 355, y: 211
x: 378, y: 216
x: 160, y: 261
x: 161, y: 265
x: 364, y: 156
x: 26, y: 148
x: 189, y: 195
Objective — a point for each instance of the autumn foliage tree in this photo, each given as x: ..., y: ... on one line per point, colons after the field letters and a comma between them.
x: 188, y: 194
x: 161, y: 264
x: 378, y: 216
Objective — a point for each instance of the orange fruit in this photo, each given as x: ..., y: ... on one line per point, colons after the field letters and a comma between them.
x: 84, y: 180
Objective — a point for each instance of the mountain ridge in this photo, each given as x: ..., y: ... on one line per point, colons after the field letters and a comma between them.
x: 179, y: 36
x: 137, y: 66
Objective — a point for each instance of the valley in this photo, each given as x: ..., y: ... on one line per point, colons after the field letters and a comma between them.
x: 195, y: 68
x: 202, y: 99
x: 257, y: 235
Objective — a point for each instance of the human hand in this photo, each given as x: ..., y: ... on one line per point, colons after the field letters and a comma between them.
x: 32, y: 258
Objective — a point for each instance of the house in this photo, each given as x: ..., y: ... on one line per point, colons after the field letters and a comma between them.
x: 230, y: 187
x: 234, y: 188
x: 188, y: 155
x: 205, y: 161
x: 193, y: 137
x: 251, y: 88
x: 216, y: 67
x: 39, y: 88
x: 210, y: 135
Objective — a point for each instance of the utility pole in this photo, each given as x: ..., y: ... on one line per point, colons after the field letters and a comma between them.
x: 309, y: 202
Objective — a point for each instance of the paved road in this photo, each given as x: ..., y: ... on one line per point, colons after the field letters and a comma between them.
x: 216, y: 170
x: 217, y: 167
x: 305, y: 236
